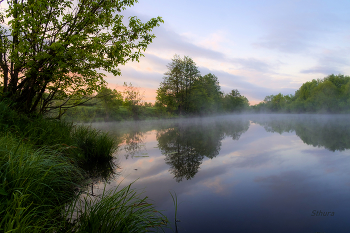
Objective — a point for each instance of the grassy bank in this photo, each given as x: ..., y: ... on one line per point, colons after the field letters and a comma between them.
x: 44, y: 168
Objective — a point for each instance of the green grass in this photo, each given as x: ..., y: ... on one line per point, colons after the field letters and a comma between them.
x: 34, y: 182
x: 115, y: 211
x: 95, y: 145
x: 44, y: 169
x: 81, y: 143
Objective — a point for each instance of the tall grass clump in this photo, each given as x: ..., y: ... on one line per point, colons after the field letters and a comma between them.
x: 115, y: 211
x: 95, y: 145
x: 34, y: 185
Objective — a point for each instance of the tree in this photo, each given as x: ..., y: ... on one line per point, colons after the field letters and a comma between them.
x: 234, y: 101
x: 330, y: 94
x: 133, y: 99
x: 54, y: 49
x: 185, y: 91
x: 177, y: 84
x: 206, y: 95
x: 110, y: 100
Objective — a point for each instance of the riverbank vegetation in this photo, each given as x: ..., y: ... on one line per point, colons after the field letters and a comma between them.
x: 52, y: 58
x: 328, y: 95
x: 45, y: 168
x: 184, y: 92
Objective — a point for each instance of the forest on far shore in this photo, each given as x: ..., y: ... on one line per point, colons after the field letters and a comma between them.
x: 328, y: 95
x: 185, y: 92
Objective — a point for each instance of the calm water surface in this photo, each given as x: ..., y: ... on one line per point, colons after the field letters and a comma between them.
x: 267, y: 173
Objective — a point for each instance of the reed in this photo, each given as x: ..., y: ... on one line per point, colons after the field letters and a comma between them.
x: 95, y: 145
x: 115, y: 211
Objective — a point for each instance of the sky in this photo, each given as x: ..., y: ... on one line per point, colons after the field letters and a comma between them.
x: 258, y: 47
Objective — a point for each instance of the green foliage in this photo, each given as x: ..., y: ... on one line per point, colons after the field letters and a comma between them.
x: 82, y: 144
x: 234, y: 101
x: 110, y: 101
x: 329, y: 95
x: 54, y: 49
x: 111, y: 105
x: 175, y: 90
x: 185, y: 91
x: 133, y: 100
x: 206, y: 95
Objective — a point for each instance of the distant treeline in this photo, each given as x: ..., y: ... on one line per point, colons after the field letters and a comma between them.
x: 113, y: 105
x: 183, y: 92
x: 328, y: 95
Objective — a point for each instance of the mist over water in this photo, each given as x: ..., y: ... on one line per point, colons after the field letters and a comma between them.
x: 242, y: 173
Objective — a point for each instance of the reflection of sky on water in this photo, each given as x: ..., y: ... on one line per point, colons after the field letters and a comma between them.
x: 263, y: 182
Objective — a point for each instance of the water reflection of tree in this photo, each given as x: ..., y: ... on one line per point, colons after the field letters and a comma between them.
x: 331, y: 132
x: 186, y: 145
x: 134, y: 143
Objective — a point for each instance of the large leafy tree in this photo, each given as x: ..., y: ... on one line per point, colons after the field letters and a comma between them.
x: 177, y: 84
x: 184, y: 90
x: 55, y: 49
x: 206, y: 95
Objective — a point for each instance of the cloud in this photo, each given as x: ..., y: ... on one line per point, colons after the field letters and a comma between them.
x: 250, y: 75
x: 287, y: 36
x: 330, y: 62
x: 171, y: 42
x: 247, y: 86
x: 168, y: 43
x: 252, y: 64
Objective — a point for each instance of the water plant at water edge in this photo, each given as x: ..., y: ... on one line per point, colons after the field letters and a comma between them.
x: 115, y: 210
x: 95, y: 145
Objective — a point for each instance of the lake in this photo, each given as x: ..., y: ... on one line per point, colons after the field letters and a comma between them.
x: 243, y: 173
